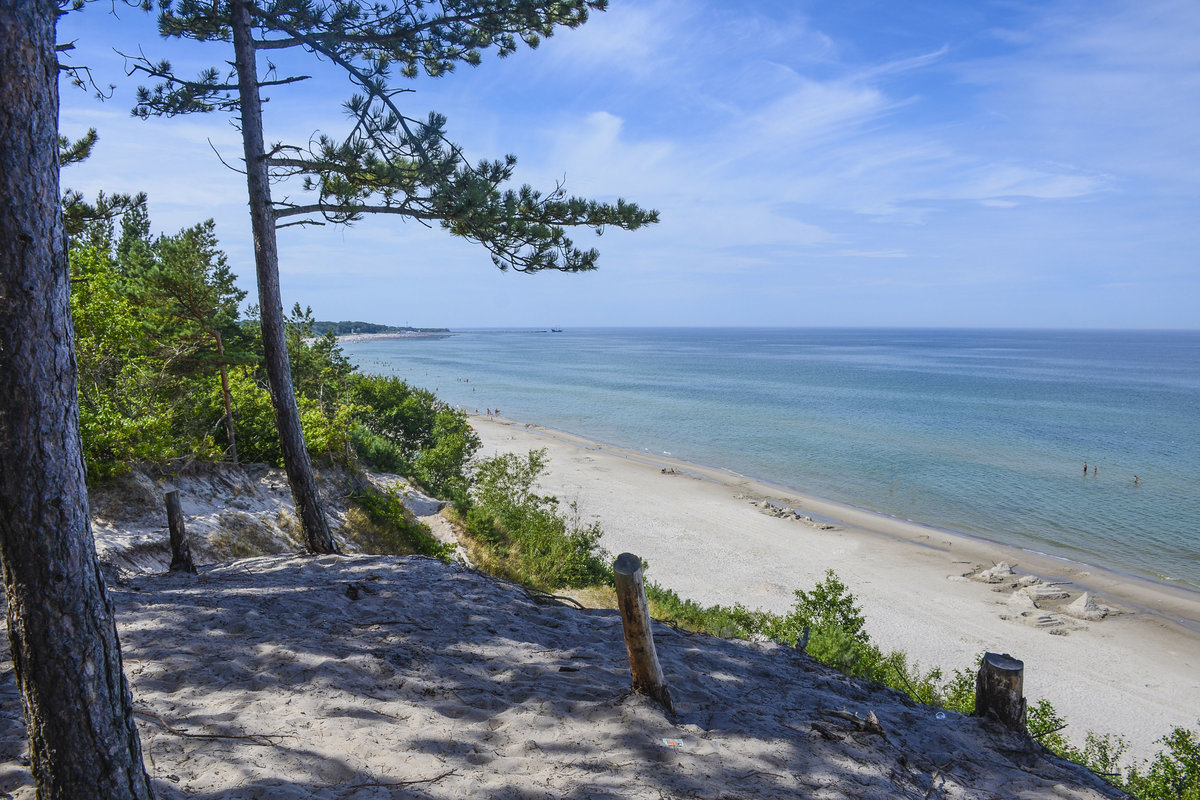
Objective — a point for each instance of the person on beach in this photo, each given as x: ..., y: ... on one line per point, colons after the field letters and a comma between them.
x: 1136, y: 480
x: 1085, y: 468
x: 1094, y: 468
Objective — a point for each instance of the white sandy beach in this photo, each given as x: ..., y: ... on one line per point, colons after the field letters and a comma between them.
x: 1135, y: 672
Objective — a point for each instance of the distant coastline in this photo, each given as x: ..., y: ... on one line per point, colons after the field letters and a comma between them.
x: 407, y: 334
x: 370, y: 330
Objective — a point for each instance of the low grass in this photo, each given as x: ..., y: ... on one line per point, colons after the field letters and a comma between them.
x: 382, y: 525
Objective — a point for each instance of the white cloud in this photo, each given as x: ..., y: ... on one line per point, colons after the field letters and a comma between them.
x: 780, y: 155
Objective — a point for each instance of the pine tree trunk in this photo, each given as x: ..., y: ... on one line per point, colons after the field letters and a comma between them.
x: 296, y: 462
x: 229, y: 427
x: 83, y: 742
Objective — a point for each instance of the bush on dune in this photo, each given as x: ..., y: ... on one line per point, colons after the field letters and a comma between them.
x: 521, y: 535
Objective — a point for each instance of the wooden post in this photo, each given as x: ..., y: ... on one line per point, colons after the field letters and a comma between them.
x: 639, y: 639
x: 1000, y: 688
x: 181, y: 551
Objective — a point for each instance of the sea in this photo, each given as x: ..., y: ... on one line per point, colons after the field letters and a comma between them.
x: 983, y: 432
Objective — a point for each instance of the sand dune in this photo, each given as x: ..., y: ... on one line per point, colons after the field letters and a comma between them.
x: 382, y: 677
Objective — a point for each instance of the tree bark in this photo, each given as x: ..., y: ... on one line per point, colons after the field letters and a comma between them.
x: 229, y: 428
x: 999, y: 690
x: 647, y: 673
x: 296, y: 462
x: 181, y: 547
x: 83, y: 742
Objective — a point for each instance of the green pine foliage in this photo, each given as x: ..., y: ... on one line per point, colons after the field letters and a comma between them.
x: 157, y: 324
x: 391, y: 160
x: 128, y: 408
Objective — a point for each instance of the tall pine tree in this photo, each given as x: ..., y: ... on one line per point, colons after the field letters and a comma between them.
x: 389, y: 163
x: 61, y: 625
x: 191, y: 287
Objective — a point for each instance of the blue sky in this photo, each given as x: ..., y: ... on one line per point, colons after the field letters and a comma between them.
x: 863, y: 163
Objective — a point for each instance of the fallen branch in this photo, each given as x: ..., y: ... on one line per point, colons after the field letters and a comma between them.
x: 260, y: 740
x: 374, y: 784
x: 868, y: 724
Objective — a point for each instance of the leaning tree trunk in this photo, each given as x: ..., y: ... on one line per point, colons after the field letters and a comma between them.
x: 83, y: 742
x: 266, y: 257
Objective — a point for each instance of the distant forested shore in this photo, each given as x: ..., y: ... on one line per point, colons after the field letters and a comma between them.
x: 321, y: 327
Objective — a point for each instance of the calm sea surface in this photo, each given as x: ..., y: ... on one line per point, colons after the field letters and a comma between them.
x: 983, y: 432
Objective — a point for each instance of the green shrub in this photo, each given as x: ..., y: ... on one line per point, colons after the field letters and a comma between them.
x: 129, y: 408
x: 395, y: 530
x: 1173, y: 774
x: 830, y: 605
x: 1103, y: 756
x: 402, y: 414
x: 440, y: 468
x: 727, y: 622
x: 327, y: 432
x: 1045, y: 724
x: 838, y: 648
x: 425, y: 438
x: 327, y: 429
x: 521, y: 535
x: 377, y: 452
x: 958, y: 694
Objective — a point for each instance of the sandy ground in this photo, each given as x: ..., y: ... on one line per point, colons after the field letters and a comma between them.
x: 383, y: 677
x: 274, y: 676
x: 1124, y: 659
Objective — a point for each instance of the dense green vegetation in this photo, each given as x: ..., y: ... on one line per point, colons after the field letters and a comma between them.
x: 521, y: 535
x: 157, y: 322
x: 144, y: 355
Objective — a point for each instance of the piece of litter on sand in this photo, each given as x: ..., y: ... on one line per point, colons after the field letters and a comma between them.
x: 940, y: 715
x: 674, y: 744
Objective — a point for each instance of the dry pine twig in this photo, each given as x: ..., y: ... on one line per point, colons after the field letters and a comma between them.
x: 262, y: 740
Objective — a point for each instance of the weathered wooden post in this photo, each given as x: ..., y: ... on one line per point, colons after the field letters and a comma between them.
x: 181, y: 551
x: 639, y: 639
x: 1000, y: 690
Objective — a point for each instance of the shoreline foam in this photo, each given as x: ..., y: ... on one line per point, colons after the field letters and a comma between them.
x: 1133, y: 673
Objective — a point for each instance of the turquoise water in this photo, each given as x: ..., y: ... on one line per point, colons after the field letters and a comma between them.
x: 983, y: 432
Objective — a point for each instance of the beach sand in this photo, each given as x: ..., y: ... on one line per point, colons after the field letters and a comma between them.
x: 1134, y: 673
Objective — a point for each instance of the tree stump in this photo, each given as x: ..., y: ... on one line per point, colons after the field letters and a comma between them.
x: 181, y: 550
x: 999, y: 690
x: 639, y: 639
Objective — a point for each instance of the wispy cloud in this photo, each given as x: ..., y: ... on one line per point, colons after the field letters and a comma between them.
x: 1040, y: 149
